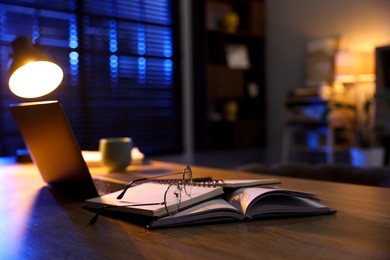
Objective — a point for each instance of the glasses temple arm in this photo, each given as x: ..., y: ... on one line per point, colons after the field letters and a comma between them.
x: 100, y: 210
x: 120, y: 196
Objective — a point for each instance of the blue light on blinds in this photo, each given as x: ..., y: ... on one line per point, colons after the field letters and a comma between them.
x: 141, y: 40
x: 73, y: 55
x: 72, y: 5
x: 113, y: 36
x: 114, y: 63
x: 35, y: 30
x: 151, y: 11
x: 73, y: 38
x: 168, y: 69
x: 168, y: 44
x: 113, y: 47
x: 114, y: 71
x: 141, y: 70
x: 74, y: 58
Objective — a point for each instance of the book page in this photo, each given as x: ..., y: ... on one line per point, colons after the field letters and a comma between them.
x: 244, y: 198
x: 215, y: 210
x: 285, y: 204
x: 241, y: 198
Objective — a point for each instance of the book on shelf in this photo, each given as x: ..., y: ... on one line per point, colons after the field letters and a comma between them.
x: 247, y: 203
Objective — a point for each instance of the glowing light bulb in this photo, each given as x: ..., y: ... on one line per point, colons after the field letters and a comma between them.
x: 35, y: 79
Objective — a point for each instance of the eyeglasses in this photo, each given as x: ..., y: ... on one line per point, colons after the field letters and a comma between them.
x: 186, y: 181
x: 172, y: 196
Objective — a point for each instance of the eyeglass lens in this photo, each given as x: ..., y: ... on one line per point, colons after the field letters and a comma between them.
x: 172, y: 198
x: 187, y: 180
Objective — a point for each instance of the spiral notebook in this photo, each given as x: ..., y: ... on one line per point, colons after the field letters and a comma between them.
x: 152, y: 193
x: 226, y: 184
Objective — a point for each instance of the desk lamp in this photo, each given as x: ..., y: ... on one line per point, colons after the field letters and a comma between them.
x: 32, y: 72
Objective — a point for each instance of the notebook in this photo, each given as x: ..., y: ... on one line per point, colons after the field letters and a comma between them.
x: 54, y: 150
x: 147, y: 199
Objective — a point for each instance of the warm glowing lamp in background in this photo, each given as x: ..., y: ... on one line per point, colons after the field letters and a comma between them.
x: 32, y: 72
x: 354, y: 66
x: 355, y: 69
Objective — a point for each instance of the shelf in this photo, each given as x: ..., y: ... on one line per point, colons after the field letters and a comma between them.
x: 218, y: 43
x: 250, y: 13
x: 229, y: 70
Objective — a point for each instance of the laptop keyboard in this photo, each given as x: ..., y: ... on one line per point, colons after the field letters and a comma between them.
x: 105, y: 187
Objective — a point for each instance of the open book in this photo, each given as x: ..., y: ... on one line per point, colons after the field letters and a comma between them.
x: 247, y: 203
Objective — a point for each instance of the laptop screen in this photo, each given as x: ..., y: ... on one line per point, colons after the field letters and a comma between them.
x: 53, y: 147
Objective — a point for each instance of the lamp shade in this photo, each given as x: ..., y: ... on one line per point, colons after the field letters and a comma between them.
x: 32, y: 72
x: 354, y: 64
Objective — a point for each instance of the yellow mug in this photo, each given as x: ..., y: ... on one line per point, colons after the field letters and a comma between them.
x: 116, y: 153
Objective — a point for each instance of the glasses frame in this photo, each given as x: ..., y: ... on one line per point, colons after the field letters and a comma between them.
x: 176, y: 187
x: 186, y: 180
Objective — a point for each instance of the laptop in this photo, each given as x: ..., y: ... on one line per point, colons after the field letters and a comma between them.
x: 55, y: 151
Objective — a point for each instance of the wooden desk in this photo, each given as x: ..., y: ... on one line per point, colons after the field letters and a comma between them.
x: 36, y: 224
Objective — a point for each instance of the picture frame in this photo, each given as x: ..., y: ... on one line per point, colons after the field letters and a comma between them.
x: 320, y: 60
x: 237, y: 56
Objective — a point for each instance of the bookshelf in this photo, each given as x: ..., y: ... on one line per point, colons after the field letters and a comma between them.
x: 229, y: 76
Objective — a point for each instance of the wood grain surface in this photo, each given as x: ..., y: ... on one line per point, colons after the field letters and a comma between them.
x: 37, y: 223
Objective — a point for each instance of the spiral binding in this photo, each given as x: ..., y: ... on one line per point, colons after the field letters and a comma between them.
x: 200, y: 182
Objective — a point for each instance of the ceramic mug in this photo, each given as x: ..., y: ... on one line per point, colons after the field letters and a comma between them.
x: 116, y: 152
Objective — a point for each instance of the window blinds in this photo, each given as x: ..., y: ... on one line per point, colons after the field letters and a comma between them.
x: 120, y: 63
